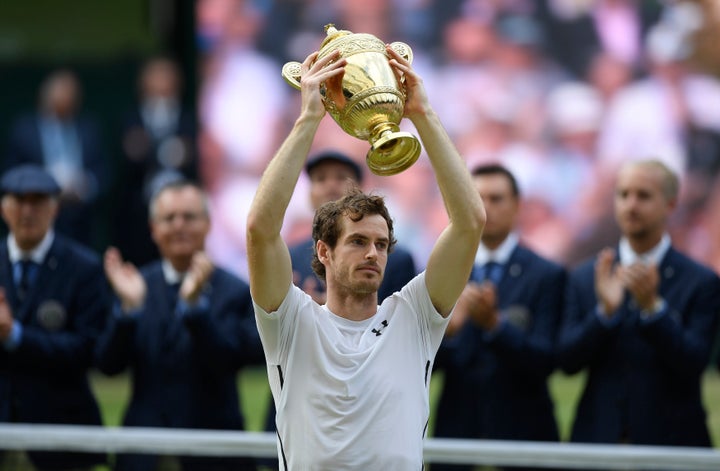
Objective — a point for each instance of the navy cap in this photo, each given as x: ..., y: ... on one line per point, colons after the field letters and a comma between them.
x: 334, y: 156
x: 28, y: 178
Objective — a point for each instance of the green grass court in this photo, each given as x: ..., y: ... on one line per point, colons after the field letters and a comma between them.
x: 113, y: 394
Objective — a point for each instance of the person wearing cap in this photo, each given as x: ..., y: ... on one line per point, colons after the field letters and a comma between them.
x: 183, y: 328
x: 53, y: 304
x: 330, y: 172
x: 350, y: 378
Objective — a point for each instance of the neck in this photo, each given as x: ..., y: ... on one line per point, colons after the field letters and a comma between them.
x: 355, y: 307
x: 181, y: 265
x: 28, y: 245
x: 27, y: 248
x: 493, y: 242
x: 640, y: 245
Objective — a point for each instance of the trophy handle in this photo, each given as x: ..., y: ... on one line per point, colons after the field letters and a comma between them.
x: 291, y: 74
x: 404, y: 50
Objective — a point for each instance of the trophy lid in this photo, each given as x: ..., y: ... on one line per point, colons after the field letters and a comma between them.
x: 333, y: 33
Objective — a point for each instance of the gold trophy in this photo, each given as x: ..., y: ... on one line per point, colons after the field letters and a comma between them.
x: 371, y: 104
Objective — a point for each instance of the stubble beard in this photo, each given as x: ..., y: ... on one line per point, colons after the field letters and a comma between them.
x: 361, y: 287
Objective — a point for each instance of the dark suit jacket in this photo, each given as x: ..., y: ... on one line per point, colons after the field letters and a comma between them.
x: 643, y: 384
x: 184, y: 369
x: 399, y: 271
x: 76, y: 219
x: 495, y: 386
x: 45, y: 379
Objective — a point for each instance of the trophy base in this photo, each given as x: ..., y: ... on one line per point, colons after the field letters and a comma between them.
x: 392, y: 153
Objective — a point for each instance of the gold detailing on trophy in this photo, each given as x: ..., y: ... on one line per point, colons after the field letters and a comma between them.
x: 371, y: 102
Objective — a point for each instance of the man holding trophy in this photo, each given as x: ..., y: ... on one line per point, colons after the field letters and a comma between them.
x: 350, y: 378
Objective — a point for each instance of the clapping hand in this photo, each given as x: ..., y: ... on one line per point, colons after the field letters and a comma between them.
x: 6, y: 317
x: 611, y: 281
x: 477, y: 302
x: 642, y: 281
x: 608, y: 284
x: 125, y: 279
x: 197, y: 275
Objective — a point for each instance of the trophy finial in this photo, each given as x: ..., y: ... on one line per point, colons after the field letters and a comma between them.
x: 332, y: 34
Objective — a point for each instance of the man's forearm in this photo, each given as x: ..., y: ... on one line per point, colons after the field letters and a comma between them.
x: 462, y: 201
x: 280, y: 177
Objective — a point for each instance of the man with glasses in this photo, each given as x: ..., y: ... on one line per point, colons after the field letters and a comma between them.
x: 183, y: 326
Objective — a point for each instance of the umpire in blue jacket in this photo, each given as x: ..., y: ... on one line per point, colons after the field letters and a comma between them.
x: 183, y: 327
x: 53, y: 304
x: 641, y: 319
x: 499, y: 346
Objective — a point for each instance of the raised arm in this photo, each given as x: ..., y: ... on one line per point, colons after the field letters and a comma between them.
x: 452, y: 257
x: 268, y: 257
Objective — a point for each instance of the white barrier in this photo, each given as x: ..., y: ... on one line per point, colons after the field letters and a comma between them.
x: 480, y: 452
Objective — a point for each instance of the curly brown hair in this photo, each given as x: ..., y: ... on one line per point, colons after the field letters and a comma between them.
x: 327, y: 223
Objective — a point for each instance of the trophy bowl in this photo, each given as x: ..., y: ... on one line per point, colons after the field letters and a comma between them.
x: 371, y: 102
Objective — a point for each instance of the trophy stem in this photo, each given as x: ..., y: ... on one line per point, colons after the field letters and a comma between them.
x: 381, y: 131
x: 391, y: 150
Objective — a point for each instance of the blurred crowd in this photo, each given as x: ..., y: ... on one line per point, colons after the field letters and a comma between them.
x: 559, y: 91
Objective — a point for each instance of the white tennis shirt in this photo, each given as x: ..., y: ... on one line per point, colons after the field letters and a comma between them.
x: 352, y: 395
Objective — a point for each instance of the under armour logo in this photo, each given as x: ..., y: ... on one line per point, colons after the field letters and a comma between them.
x: 377, y: 332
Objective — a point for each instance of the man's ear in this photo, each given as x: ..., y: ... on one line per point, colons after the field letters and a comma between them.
x: 323, y: 251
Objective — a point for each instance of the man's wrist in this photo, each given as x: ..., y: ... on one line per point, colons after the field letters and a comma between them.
x: 129, y: 307
x: 12, y: 341
x: 658, y: 305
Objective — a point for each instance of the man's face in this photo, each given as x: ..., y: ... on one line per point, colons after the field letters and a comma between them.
x: 180, y: 223
x: 29, y: 217
x: 328, y: 181
x: 501, y: 206
x: 357, y: 263
x: 641, y: 208
x: 63, y: 96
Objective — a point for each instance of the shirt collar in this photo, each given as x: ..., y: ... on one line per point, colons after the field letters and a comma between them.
x: 171, y: 275
x: 500, y: 255
x: 652, y: 257
x: 37, y: 254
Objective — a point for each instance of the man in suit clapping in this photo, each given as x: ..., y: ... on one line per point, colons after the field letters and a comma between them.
x: 498, y: 348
